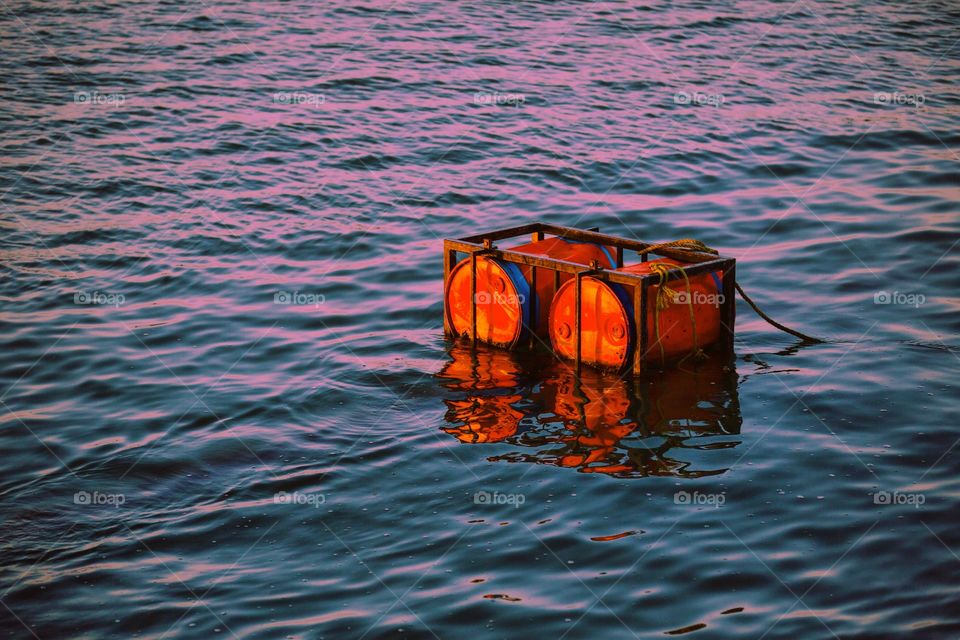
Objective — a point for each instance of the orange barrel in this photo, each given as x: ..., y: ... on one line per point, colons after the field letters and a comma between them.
x: 608, y: 327
x: 503, y: 290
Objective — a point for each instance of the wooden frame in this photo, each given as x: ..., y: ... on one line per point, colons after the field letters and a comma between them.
x: 483, y: 244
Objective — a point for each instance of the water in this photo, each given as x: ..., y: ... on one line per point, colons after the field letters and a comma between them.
x: 183, y: 457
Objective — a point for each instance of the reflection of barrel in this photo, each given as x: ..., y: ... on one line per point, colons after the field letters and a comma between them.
x: 608, y: 326
x: 699, y: 400
x: 503, y: 291
x: 673, y: 410
x: 490, y: 378
x: 598, y: 406
x: 596, y: 422
x: 479, y: 369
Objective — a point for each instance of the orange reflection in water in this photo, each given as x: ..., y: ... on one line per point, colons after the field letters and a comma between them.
x: 599, y: 423
x: 490, y: 378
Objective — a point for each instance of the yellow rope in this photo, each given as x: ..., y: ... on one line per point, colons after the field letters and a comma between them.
x: 687, y: 244
x: 666, y: 296
x: 662, y: 301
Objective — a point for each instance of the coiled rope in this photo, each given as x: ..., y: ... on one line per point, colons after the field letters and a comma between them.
x: 688, y: 250
x: 666, y: 295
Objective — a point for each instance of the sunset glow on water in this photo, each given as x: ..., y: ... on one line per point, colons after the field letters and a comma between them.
x: 227, y: 406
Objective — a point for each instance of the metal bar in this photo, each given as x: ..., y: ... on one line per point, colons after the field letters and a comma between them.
x: 590, y: 236
x: 532, y: 316
x: 634, y: 245
x: 512, y: 232
x: 641, y: 322
x: 620, y: 277
x: 473, y: 298
x: 449, y: 259
x: 637, y: 339
x: 715, y: 263
x: 576, y: 320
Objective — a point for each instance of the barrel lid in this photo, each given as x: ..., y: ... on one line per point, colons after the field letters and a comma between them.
x: 605, y: 333
x: 501, y: 299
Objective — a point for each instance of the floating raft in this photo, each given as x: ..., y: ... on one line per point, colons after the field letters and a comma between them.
x: 569, y: 289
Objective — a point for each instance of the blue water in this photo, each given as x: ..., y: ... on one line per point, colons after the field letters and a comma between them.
x: 185, y: 455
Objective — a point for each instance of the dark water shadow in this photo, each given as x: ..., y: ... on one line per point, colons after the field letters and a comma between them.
x: 663, y: 424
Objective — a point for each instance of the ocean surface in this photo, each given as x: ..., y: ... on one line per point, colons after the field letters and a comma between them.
x: 228, y: 408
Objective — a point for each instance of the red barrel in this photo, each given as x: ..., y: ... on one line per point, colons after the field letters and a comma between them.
x: 608, y: 328
x: 503, y: 291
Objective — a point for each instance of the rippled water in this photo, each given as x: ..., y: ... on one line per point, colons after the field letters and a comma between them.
x: 185, y: 455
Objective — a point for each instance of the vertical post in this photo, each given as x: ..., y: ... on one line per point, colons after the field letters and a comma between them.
x: 619, y: 264
x: 576, y: 319
x: 728, y: 311
x: 449, y: 259
x: 637, y: 340
x: 532, y: 315
x: 473, y: 297
x: 537, y: 236
x: 644, y: 342
x: 556, y: 281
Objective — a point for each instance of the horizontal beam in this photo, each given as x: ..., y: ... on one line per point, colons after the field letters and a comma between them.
x: 607, y: 275
x: 504, y: 233
x: 581, y: 235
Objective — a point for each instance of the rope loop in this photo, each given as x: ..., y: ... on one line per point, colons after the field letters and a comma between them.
x: 667, y: 295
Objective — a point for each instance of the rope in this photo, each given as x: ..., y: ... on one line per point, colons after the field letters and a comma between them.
x: 666, y: 295
x: 753, y: 305
x: 688, y: 244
